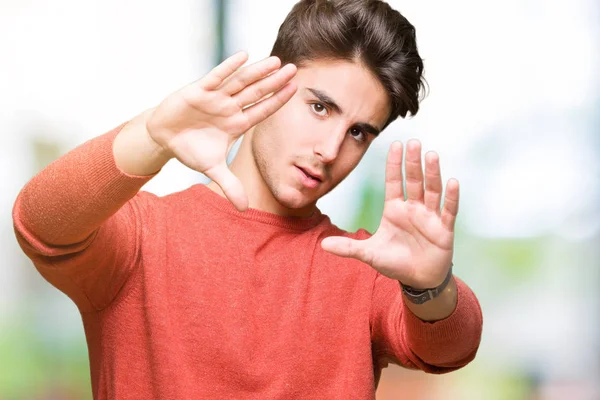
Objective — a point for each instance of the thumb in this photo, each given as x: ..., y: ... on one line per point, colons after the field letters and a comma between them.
x: 344, y: 247
x: 230, y: 184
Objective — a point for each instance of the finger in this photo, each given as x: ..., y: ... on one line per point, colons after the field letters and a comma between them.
x: 450, y: 209
x: 263, y: 87
x: 230, y: 184
x: 345, y: 247
x: 262, y: 110
x: 217, y: 75
x: 393, y: 173
x: 414, y: 171
x: 433, y: 182
x: 250, y: 74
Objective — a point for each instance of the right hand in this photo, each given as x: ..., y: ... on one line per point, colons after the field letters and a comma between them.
x: 199, y: 123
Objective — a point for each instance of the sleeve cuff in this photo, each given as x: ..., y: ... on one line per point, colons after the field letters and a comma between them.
x: 103, y: 174
x: 456, y: 325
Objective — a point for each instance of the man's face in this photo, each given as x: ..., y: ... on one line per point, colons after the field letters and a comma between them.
x: 316, y: 139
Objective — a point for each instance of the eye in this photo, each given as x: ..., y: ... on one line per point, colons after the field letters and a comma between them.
x: 359, y: 135
x: 319, y: 109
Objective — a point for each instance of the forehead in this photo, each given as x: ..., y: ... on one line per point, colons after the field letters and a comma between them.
x: 351, y: 85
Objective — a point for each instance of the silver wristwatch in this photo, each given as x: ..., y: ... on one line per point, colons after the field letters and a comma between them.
x: 420, y: 296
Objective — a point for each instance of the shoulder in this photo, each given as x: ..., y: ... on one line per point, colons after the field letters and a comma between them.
x: 149, y: 204
x: 169, y: 199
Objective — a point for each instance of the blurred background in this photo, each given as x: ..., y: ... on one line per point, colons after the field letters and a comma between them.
x: 513, y: 111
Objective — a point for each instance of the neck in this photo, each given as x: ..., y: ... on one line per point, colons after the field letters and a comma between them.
x: 259, y: 195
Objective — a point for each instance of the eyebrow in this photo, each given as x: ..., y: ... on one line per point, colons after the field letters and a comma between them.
x: 328, y: 101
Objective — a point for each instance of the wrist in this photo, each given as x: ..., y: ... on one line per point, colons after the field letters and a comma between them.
x: 420, y: 296
x: 134, y: 150
x: 159, y: 150
x: 437, y: 309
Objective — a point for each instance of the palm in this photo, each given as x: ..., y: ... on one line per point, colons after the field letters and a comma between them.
x: 218, y: 122
x: 414, y: 241
x: 410, y: 242
x: 199, y: 123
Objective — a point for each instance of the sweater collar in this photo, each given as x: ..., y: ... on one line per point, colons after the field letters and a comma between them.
x: 222, y: 204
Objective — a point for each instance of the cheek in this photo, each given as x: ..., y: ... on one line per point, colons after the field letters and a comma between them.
x: 342, y: 169
x: 269, y: 141
x: 348, y: 159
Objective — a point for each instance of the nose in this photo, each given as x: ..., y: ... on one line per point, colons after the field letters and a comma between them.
x: 328, y: 147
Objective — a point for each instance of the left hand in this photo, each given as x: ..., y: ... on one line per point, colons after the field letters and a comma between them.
x: 415, y: 239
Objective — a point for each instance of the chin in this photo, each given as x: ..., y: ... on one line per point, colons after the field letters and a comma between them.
x: 292, y: 198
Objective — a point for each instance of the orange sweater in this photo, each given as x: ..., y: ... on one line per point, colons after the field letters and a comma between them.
x: 184, y: 297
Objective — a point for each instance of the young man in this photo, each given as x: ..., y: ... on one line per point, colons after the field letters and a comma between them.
x: 242, y: 289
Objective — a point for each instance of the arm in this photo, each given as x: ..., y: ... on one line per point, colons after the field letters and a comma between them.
x: 197, y: 125
x: 69, y: 218
x: 68, y: 200
x: 414, y: 245
x: 79, y: 220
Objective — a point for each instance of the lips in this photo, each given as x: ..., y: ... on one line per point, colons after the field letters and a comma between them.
x: 312, y: 174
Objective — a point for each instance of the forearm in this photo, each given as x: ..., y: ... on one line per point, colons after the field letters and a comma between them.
x: 68, y: 200
x: 438, y: 308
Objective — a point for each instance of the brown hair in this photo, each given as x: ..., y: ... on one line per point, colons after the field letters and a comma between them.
x: 366, y: 30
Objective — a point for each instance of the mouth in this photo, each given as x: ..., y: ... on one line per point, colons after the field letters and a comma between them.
x: 307, y: 179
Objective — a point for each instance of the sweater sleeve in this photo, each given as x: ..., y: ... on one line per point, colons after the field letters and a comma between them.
x: 79, y: 221
x: 438, y: 347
